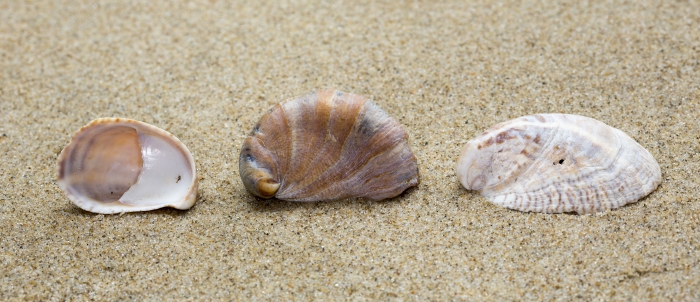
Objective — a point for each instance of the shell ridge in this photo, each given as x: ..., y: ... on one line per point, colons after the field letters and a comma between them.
x: 319, y: 151
x: 357, y: 174
x: 524, y: 123
x: 280, y: 179
x: 590, y: 171
x: 274, y: 157
x: 631, y: 166
x: 292, y: 155
x: 494, y: 186
x: 359, y: 112
x: 281, y: 168
x: 647, y: 178
x: 311, y: 117
x: 580, y: 208
x: 325, y: 138
x: 341, y: 154
x: 579, y: 198
x: 390, y: 169
x: 388, y: 191
x: 357, y: 169
x: 608, y: 185
x: 296, y: 157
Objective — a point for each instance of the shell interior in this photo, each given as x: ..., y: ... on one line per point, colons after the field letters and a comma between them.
x: 120, y: 165
x: 165, y: 175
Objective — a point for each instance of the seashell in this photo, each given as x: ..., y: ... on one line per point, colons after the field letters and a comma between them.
x: 327, y: 145
x: 116, y: 165
x: 556, y: 163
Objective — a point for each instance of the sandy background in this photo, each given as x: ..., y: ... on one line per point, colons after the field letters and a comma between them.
x: 207, y: 70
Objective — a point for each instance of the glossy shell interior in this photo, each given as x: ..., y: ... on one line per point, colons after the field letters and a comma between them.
x: 115, y: 165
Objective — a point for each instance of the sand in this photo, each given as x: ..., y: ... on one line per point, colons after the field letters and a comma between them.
x: 207, y: 70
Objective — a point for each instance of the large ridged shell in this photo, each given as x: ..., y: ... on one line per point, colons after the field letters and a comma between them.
x: 555, y: 163
x: 327, y: 145
x: 115, y: 165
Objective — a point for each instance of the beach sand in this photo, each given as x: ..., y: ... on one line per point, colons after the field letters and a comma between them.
x: 207, y: 70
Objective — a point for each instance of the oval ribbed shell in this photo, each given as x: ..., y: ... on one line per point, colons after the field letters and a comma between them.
x: 327, y: 145
x: 115, y: 165
x: 556, y: 163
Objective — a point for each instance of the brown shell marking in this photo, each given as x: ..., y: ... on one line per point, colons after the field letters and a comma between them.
x: 327, y: 145
x: 84, y: 167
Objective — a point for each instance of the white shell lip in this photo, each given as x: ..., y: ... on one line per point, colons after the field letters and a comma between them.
x: 168, y: 177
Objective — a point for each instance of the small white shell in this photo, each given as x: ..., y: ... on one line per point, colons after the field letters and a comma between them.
x: 115, y: 165
x: 556, y: 163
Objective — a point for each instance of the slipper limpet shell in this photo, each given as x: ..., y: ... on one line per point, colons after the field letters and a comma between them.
x: 327, y: 145
x: 115, y: 165
x: 554, y: 163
